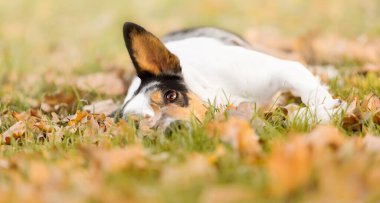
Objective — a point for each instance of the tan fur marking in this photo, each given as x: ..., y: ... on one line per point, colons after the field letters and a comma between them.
x: 156, y: 101
x: 156, y: 97
x: 196, y: 108
x: 152, y: 56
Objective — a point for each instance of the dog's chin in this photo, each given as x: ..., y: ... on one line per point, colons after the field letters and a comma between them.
x: 158, y: 122
x: 168, y: 125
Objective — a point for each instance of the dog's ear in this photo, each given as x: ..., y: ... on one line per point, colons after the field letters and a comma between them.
x: 148, y: 53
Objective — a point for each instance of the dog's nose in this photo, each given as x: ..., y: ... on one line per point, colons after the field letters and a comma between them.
x: 137, y: 116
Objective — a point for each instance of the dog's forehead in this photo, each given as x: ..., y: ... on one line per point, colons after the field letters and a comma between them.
x: 147, y: 87
x: 164, y: 82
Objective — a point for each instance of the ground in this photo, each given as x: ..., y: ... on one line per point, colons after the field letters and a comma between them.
x: 64, y: 67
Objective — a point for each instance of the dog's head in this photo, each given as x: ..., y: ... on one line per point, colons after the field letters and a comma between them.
x: 162, y: 95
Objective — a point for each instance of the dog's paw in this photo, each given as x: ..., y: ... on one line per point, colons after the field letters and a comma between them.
x: 322, y: 114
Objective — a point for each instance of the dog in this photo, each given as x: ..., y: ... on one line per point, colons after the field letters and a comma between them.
x: 178, y: 75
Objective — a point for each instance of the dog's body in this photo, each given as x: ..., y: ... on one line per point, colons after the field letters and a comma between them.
x: 217, y: 66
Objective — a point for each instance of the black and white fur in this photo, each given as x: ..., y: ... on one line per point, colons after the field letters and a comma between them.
x: 217, y: 65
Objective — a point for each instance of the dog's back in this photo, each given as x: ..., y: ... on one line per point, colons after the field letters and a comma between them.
x: 219, y: 34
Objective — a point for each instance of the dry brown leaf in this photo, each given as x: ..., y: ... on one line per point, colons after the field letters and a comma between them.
x: 219, y: 152
x: 62, y: 97
x: 4, y: 164
x: 78, y: 118
x: 102, y: 107
x: 197, y: 167
x: 370, y: 68
x: 371, y: 106
x: 39, y: 173
x: 46, y: 107
x: 270, y: 41
x: 117, y: 159
x: 289, y: 166
x: 325, y: 136
x: 93, y: 127
x: 332, y: 49
x: 57, y: 101
x: 55, y: 136
x: 238, y: 133
x: 44, y: 127
x: 226, y: 194
x: 244, y: 110
x: 371, y: 103
x: 55, y: 118
x: 376, y: 118
x: 372, y: 143
x: 30, y: 117
x: 15, y: 131
x: 104, y: 83
x: 353, y: 116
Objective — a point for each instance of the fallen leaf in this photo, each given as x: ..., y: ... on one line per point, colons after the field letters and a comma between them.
x: 372, y: 143
x: 332, y: 49
x: 218, y: 153
x: 324, y: 137
x: 4, y: 164
x: 352, y: 118
x: 44, y: 127
x: 57, y: 101
x: 62, y: 97
x: 15, y: 131
x: 102, y: 107
x: 244, y: 110
x: 371, y: 103
x: 289, y: 166
x: 39, y: 173
x: 196, y: 167
x: 117, y: 159
x: 226, y: 194
x: 270, y: 41
x: 78, y: 117
x: 238, y: 133
x: 369, y: 68
x: 105, y: 83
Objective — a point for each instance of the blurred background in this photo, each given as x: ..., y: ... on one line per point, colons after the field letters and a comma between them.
x: 56, y: 40
x: 60, y: 56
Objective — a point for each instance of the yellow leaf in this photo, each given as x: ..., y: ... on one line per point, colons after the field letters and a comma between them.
x: 77, y: 118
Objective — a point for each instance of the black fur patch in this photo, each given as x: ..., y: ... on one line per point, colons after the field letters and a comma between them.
x: 165, y: 83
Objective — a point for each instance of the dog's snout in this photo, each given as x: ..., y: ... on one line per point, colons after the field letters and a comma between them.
x: 137, y: 117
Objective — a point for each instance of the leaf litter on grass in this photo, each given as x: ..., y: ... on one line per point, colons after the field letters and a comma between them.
x: 59, y: 150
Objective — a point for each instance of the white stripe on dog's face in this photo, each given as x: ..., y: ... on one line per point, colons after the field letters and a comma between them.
x: 138, y: 103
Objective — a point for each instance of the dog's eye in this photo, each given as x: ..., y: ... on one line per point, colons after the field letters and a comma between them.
x: 171, y: 96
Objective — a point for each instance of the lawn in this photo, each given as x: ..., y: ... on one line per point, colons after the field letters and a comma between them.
x: 64, y: 68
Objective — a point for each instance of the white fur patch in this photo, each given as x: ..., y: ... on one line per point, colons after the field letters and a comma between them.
x: 138, y: 104
x: 233, y: 74
x: 132, y: 88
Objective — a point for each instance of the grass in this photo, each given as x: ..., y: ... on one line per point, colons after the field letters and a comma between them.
x: 46, y: 45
